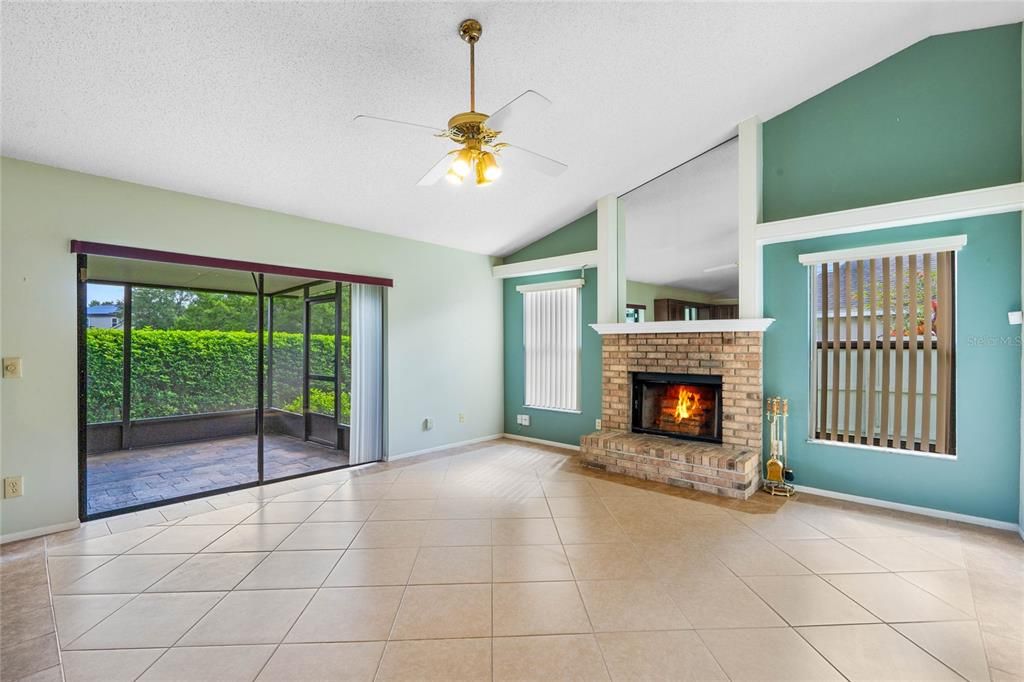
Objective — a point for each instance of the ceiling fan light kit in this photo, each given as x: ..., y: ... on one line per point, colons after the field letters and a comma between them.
x: 469, y: 128
x: 477, y: 134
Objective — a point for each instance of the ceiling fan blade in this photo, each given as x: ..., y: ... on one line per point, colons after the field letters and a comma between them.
x: 719, y: 268
x: 389, y: 124
x: 517, y: 111
x: 437, y: 172
x: 533, y: 160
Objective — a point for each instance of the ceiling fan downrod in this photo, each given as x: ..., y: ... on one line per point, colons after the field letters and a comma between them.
x: 470, y: 30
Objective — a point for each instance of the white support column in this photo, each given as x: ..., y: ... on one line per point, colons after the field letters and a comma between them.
x: 1020, y: 502
x: 611, y: 261
x: 750, y: 278
x: 621, y: 310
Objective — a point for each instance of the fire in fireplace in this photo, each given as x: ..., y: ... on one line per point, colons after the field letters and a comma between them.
x: 678, y: 405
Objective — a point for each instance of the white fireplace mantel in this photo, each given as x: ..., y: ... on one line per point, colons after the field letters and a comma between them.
x: 682, y: 327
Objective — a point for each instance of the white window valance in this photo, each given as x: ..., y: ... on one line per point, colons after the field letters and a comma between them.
x: 894, y: 250
x: 548, y: 286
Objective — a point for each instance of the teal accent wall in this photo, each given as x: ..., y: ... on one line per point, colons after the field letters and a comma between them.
x: 983, y: 480
x: 561, y: 427
x: 943, y: 115
x: 576, y: 237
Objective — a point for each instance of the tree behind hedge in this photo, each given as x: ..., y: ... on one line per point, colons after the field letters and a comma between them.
x: 176, y: 372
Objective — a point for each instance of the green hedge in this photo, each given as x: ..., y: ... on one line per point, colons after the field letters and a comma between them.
x: 322, y: 402
x: 191, y: 372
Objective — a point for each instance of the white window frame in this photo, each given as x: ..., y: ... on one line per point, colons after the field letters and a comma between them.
x: 548, y: 397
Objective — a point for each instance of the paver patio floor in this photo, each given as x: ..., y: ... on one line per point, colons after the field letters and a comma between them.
x: 126, y: 478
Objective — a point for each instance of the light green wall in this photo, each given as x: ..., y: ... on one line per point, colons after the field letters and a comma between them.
x: 576, y: 237
x: 942, y: 116
x: 644, y: 294
x: 983, y: 479
x: 560, y: 427
x: 579, y: 235
x: 444, y: 315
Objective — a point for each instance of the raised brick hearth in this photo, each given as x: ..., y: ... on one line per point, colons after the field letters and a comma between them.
x: 732, y: 468
x: 723, y: 470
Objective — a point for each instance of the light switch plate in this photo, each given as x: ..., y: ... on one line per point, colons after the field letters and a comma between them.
x: 1015, y: 317
x: 12, y: 368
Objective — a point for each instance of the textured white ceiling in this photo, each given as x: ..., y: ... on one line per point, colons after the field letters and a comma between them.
x: 684, y: 222
x: 252, y: 102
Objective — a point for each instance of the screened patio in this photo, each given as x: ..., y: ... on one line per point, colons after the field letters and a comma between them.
x: 209, y: 379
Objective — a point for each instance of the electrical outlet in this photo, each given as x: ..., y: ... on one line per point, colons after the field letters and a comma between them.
x: 12, y: 368
x: 428, y: 424
x: 14, y: 486
x: 526, y: 419
x: 597, y: 424
x: 462, y: 418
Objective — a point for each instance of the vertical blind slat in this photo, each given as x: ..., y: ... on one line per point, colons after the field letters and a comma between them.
x: 926, y: 374
x: 834, y: 431
x: 886, y: 351
x: 943, y: 326
x: 848, y: 359
x: 858, y: 431
x: 873, y: 348
x: 897, y: 402
x: 915, y: 302
x: 823, y: 355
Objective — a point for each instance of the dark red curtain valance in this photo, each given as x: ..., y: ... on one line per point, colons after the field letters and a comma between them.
x: 118, y: 251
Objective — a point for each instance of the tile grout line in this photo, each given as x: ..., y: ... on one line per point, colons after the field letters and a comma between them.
x: 629, y: 538
x: 135, y: 596
x: 398, y: 611
x: 576, y: 582
x: 327, y: 575
x: 130, y: 600
x: 881, y: 621
x: 53, y: 612
x: 223, y: 596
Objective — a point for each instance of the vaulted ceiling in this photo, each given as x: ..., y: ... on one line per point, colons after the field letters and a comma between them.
x: 252, y: 102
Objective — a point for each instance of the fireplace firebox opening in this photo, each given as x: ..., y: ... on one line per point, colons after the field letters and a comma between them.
x: 686, y: 406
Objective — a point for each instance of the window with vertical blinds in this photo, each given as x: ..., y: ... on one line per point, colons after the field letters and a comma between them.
x: 884, y: 353
x: 551, y: 343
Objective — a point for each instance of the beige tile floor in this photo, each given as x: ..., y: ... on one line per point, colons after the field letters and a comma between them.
x: 508, y: 561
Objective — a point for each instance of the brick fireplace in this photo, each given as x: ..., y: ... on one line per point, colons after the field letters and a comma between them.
x: 674, y: 452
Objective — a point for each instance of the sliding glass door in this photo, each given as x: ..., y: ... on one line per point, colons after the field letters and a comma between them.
x: 308, y: 401
x: 196, y: 380
x: 171, y: 383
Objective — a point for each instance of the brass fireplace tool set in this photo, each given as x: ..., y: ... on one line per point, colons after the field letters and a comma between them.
x: 777, y: 473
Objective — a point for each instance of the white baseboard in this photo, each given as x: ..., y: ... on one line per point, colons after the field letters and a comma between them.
x: 446, y: 446
x: 36, y: 532
x: 909, y: 508
x: 541, y: 441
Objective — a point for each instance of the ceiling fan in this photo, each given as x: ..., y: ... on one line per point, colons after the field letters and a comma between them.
x: 477, y: 134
